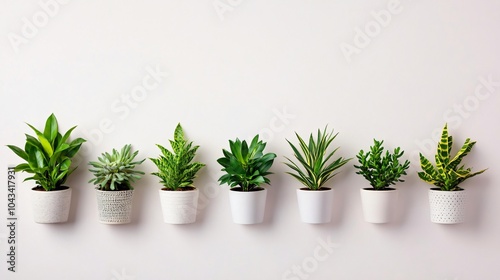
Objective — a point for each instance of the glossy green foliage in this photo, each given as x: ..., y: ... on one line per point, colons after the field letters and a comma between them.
x: 315, y: 164
x: 447, y: 174
x: 379, y: 169
x: 175, y: 169
x: 48, y: 155
x: 246, y: 166
x: 115, y: 171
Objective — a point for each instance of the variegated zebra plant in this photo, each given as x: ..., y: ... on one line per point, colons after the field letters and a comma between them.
x: 447, y: 174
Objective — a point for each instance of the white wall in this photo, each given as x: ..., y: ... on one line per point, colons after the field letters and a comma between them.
x: 273, y: 67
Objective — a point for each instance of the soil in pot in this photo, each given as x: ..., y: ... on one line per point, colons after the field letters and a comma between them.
x: 41, y: 189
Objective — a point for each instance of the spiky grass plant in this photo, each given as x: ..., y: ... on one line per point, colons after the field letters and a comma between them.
x: 381, y: 170
x: 447, y: 174
x: 175, y: 169
x: 314, y: 167
x: 246, y: 166
x: 115, y: 171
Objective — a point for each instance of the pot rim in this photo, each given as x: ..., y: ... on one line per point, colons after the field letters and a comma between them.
x: 112, y: 191
x: 62, y: 188
x: 238, y: 189
x: 190, y: 189
x: 322, y: 189
x: 381, y: 190
x: 439, y: 190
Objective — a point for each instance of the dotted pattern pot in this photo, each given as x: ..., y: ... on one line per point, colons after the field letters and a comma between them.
x: 447, y: 207
x: 51, y: 207
x: 179, y: 207
x: 115, y: 207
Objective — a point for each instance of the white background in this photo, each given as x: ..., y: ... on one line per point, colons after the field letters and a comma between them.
x: 235, y: 69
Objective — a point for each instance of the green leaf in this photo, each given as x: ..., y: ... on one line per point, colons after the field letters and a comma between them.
x: 18, y: 151
x: 47, y: 147
x: 51, y: 129
x: 245, y: 165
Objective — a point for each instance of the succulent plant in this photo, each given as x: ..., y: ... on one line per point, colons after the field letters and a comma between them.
x: 447, y: 174
x: 381, y: 170
x: 246, y: 166
x: 115, y: 171
x: 175, y: 169
x: 48, y: 156
x: 315, y: 169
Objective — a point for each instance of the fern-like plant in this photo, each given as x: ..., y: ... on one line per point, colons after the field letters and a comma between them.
x: 314, y: 167
x: 115, y: 171
x: 379, y: 169
x: 175, y: 169
x: 48, y: 155
x: 246, y: 166
x: 447, y: 174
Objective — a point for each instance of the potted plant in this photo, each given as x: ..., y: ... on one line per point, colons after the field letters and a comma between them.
x: 315, y: 166
x: 48, y: 158
x: 178, y: 197
x: 113, y: 174
x: 381, y: 170
x: 447, y: 201
x: 246, y: 169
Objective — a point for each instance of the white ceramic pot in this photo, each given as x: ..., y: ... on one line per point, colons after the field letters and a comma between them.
x: 378, y: 205
x: 247, y: 207
x: 179, y: 207
x: 447, y: 207
x: 51, y: 206
x: 115, y: 207
x: 315, y: 207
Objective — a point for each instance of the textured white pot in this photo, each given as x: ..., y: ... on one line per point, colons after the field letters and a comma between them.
x: 447, y: 207
x: 179, y: 207
x: 51, y: 207
x: 315, y: 207
x: 247, y: 207
x: 378, y: 206
x: 115, y: 207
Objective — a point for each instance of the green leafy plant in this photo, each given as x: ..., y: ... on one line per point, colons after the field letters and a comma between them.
x: 175, y: 169
x: 246, y: 166
x: 379, y: 169
x: 315, y: 167
x: 447, y: 174
x: 115, y: 171
x: 48, y: 155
